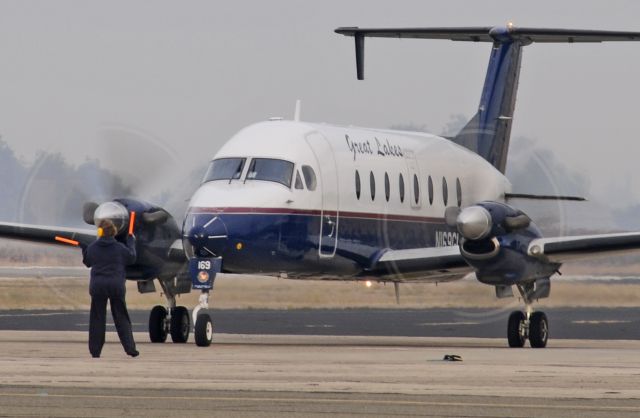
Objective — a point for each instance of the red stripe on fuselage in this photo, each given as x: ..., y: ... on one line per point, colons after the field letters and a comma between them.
x: 313, y: 212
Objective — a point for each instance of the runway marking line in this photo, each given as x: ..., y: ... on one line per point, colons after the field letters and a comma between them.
x: 329, y: 400
x: 9, y: 315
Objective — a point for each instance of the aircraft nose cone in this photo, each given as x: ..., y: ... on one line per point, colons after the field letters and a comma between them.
x: 208, y: 236
x: 474, y: 223
x: 198, y: 236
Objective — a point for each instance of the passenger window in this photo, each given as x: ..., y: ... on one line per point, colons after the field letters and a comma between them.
x: 416, y: 189
x: 430, y: 190
x: 401, y: 185
x: 445, y: 191
x: 459, y: 192
x: 357, y: 185
x: 387, y: 187
x: 298, y: 183
x: 372, y: 183
x: 309, y: 177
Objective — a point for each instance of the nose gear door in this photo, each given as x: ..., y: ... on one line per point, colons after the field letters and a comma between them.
x: 329, y: 216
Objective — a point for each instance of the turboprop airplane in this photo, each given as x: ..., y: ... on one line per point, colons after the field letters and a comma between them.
x: 315, y: 201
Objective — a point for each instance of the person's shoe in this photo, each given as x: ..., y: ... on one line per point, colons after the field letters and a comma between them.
x: 95, y: 355
x: 134, y: 353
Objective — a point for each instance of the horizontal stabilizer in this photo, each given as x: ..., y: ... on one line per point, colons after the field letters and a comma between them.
x: 492, y: 34
x: 510, y: 196
x: 487, y: 133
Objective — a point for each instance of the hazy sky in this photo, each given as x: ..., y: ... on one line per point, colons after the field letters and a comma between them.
x: 191, y: 73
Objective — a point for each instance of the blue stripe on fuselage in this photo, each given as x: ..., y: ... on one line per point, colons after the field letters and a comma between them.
x: 271, y: 243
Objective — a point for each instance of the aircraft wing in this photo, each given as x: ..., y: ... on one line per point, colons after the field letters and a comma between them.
x: 434, y: 264
x: 564, y: 249
x: 45, y: 234
x: 446, y: 263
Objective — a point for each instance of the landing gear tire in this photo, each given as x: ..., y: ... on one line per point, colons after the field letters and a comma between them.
x: 514, y: 330
x: 157, y: 324
x: 538, y: 330
x: 203, y: 330
x: 180, y: 324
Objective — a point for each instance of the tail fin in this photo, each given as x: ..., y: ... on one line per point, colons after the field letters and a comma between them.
x: 488, y: 132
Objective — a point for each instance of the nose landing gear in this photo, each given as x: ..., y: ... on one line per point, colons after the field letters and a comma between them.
x: 202, y: 320
x: 176, y: 321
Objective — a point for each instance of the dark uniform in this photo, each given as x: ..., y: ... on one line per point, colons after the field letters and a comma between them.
x: 107, y: 259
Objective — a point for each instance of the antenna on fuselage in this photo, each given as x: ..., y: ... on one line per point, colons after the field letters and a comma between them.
x: 296, y: 112
x: 396, y: 287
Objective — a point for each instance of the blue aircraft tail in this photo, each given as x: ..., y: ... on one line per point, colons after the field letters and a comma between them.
x: 489, y: 130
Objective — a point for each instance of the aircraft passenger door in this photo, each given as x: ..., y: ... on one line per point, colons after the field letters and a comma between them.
x: 413, y: 180
x: 326, y: 163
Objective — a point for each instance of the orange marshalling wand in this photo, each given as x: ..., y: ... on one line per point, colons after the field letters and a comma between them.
x: 132, y: 220
x: 67, y: 241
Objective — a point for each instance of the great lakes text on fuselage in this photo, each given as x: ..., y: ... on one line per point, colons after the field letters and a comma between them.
x: 383, y: 148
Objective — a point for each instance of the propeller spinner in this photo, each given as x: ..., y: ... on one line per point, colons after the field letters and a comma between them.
x: 474, y: 223
x: 114, y: 211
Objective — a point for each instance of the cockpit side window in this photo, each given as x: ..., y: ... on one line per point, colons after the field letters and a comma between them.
x: 269, y: 169
x: 298, y: 183
x: 309, y: 177
x: 225, y: 169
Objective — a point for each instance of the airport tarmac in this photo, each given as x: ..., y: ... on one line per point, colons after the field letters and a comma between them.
x: 50, y: 373
x: 565, y: 323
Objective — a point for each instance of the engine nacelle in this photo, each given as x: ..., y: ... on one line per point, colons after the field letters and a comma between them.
x: 494, y: 241
x: 155, y: 230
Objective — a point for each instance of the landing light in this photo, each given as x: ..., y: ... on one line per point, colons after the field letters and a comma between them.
x: 368, y: 283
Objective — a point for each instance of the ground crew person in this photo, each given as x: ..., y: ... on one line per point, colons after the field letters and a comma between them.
x: 107, y: 259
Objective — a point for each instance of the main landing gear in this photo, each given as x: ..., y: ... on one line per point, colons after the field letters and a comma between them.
x: 176, y: 322
x: 531, y: 325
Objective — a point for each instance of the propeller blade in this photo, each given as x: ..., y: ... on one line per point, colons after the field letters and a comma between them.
x: 88, y: 212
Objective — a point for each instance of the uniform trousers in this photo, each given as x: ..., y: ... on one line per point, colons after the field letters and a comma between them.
x: 98, y: 323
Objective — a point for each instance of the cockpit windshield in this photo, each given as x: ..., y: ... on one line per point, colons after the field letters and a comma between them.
x: 269, y: 169
x: 225, y: 169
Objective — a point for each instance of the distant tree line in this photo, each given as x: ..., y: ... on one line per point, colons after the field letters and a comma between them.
x: 50, y: 190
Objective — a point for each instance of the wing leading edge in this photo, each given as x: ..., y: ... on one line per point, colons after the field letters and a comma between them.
x: 446, y: 263
x: 565, y: 249
x: 45, y: 234
x: 434, y: 264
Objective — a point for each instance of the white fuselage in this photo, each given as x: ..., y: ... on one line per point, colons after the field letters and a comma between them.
x: 433, y: 171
